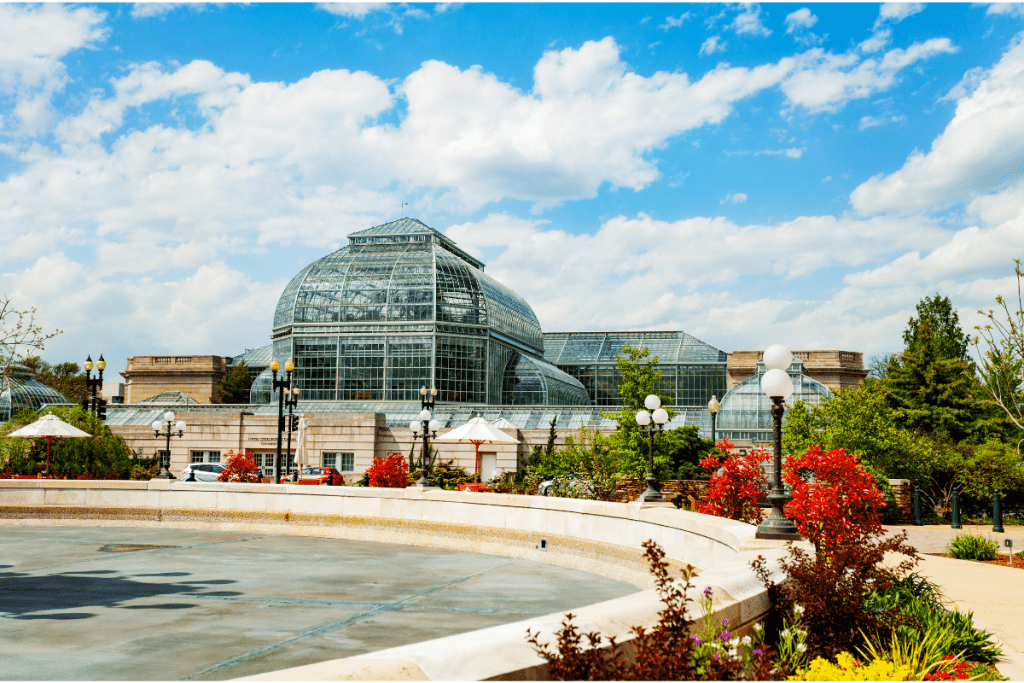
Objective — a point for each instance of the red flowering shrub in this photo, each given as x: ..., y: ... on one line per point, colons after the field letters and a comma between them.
x: 835, y: 501
x: 953, y: 670
x: 736, y: 483
x: 240, y: 468
x: 390, y: 472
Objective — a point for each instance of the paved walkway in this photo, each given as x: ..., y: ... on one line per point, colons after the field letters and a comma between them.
x: 994, y: 594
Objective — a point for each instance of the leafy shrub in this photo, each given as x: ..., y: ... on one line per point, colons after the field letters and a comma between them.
x: 390, y: 472
x: 667, y: 651
x: 737, y: 481
x: 835, y: 588
x: 971, y: 547
x: 835, y: 500
x: 505, y: 482
x: 240, y: 468
x: 140, y: 473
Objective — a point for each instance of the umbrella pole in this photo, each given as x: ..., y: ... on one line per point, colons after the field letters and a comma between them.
x: 476, y: 471
x: 48, y: 440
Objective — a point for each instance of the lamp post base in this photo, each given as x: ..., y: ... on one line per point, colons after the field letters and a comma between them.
x: 164, y: 474
x: 777, y: 527
x: 651, y: 495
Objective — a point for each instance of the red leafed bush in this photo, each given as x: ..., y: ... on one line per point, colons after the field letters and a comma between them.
x: 240, y: 468
x: 835, y: 501
x: 390, y: 472
x: 736, y: 483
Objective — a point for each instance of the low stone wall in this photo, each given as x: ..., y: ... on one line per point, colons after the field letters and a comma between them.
x: 629, y: 490
x: 592, y: 536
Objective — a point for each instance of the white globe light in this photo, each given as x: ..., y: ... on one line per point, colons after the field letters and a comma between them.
x: 157, y: 425
x: 168, y: 416
x: 424, y: 416
x: 180, y: 425
x: 660, y: 416
x: 777, y: 384
x: 652, y: 402
x: 434, y: 425
x: 414, y: 426
x: 777, y: 357
x: 643, y: 418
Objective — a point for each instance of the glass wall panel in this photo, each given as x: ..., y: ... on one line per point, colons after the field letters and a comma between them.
x: 316, y: 368
x: 361, y: 368
x: 461, y: 369
x: 408, y: 367
x: 459, y: 298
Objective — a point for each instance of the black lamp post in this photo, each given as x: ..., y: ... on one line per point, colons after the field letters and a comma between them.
x: 651, y: 423
x: 97, y: 406
x: 291, y: 401
x: 713, y: 406
x: 283, y: 386
x: 169, y: 429
x: 428, y: 428
x: 777, y: 384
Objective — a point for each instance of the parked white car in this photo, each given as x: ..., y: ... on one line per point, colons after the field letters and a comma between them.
x: 204, y: 471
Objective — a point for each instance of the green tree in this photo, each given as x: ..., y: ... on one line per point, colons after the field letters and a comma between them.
x: 944, y: 336
x: 860, y: 421
x: 235, y: 385
x: 931, y: 392
x: 1000, y: 343
x: 682, y: 449
x: 990, y: 466
x: 640, y: 378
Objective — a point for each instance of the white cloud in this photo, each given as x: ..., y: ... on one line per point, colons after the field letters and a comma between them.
x: 789, y: 152
x: 875, y: 43
x: 800, y: 20
x: 1013, y: 9
x: 33, y: 40
x: 734, y: 198
x: 145, y: 10
x: 895, y: 12
x: 971, y: 78
x: 978, y: 152
x: 712, y: 45
x: 825, y: 82
x: 748, y: 22
x: 674, y: 22
x: 355, y: 10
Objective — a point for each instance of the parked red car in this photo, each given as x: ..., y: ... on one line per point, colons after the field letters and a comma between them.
x: 317, y: 476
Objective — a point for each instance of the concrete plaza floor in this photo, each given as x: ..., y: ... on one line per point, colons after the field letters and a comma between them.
x: 102, y: 603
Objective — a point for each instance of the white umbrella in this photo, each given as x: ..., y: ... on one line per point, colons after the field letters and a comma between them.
x: 502, y: 423
x: 49, y: 427
x: 477, y: 431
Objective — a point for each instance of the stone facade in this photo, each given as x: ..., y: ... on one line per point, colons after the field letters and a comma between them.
x: 197, y: 376
x: 834, y: 369
x: 364, y: 435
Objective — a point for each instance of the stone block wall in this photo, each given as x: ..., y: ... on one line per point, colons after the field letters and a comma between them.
x: 629, y: 490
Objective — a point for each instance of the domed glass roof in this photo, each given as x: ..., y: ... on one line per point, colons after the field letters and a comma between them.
x: 404, y: 272
x: 18, y: 392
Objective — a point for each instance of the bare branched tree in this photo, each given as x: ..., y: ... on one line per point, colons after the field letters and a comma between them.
x: 1000, y: 345
x: 18, y: 333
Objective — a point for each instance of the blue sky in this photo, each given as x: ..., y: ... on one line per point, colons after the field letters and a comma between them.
x: 752, y: 174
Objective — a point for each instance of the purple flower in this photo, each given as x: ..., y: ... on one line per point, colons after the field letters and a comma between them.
x: 707, y: 591
x: 725, y: 636
x: 697, y: 640
x: 758, y: 652
x: 718, y: 656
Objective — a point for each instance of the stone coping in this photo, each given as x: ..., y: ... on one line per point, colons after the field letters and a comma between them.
x: 591, y: 536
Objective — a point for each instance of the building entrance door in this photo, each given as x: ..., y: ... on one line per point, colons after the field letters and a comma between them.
x: 488, y: 464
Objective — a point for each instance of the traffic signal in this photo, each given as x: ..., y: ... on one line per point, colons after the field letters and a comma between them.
x: 85, y: 404
x: 280, y: 423
x: 101, y: 408
x: 295, y: 423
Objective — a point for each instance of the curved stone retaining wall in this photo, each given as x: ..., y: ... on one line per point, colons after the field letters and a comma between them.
x: 591, y: 536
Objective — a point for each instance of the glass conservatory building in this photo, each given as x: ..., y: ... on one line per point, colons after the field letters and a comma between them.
x: 401, y: 307
x: 745, y: 412
x: 18, y: 392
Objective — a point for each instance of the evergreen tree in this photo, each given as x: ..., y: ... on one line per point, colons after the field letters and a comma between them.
x: 235, y: 385
x: 945, y: 335
x: 640, y: 378
x: 930, y: 390
x: 67, y: 378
